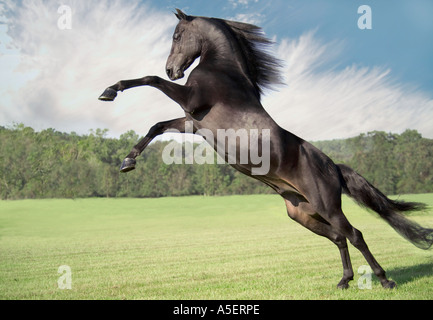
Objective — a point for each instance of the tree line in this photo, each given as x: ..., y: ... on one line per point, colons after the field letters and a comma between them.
x: 395, y: 163
x: 52, y: 164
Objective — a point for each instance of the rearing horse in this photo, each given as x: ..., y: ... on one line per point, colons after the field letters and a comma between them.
x: 223, y: 92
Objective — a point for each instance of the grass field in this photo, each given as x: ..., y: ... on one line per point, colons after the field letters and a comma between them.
x: 238, y: 247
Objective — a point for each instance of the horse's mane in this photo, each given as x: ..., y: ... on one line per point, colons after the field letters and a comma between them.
x: 264, y: 69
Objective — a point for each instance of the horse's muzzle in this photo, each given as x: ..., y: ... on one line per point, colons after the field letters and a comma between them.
x: 174, y: 75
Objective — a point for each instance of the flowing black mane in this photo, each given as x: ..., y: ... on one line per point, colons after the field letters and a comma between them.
x: 264, y: 69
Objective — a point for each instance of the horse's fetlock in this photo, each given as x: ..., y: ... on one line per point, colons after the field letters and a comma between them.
x: 120, y: 86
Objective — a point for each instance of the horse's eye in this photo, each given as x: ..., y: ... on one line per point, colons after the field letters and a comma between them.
x: 176, y: 37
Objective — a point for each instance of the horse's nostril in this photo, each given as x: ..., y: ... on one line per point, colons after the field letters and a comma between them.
x: 168, y: 72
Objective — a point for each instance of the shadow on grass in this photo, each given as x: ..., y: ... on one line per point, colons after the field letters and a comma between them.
x: 407, y: 274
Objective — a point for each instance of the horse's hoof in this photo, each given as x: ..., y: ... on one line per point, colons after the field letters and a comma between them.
x: 108, y: 95
x: 127, y: 165
x: 389, y: 284
x: 343, y: 285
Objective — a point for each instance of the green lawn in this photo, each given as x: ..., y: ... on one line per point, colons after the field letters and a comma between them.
x: 237, y: 247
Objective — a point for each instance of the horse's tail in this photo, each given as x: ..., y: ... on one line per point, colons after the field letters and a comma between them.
x: 365, y: 194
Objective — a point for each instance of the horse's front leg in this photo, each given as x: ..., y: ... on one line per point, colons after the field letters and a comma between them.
x: 176, y: 125
x: 174, y: 91
x: 111, y: 92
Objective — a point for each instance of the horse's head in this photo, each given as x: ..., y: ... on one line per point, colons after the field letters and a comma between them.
x: 186, y: 46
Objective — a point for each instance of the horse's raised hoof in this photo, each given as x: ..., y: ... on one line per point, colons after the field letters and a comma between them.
x: 108, y: 95
x: 127, y: 165
x: 389, y: 284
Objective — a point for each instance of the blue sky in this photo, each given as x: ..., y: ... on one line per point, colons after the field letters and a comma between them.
x: 341, y: 80
x: 401, y: 37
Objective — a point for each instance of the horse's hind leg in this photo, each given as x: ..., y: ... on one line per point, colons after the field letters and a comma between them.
x: 340, y: 223
x: 302, y: 212
x: 326, y: 201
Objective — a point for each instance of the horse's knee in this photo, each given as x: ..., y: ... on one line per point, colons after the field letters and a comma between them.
x: 156, y: 128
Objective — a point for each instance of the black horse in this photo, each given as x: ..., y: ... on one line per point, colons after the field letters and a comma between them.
x: 223, y: 92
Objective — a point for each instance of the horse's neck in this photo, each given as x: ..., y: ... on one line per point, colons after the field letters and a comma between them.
x: 224, y: 53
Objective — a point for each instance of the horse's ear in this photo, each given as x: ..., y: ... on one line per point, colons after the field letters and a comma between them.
x: 180, y: 15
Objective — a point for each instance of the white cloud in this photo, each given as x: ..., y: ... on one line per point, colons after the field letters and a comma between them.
x: 252, y: 18
x: 323, y: 102
x: 243, y: 3
x: 52, y: 77
x: 64, y: 71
